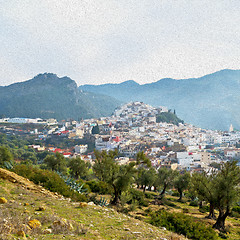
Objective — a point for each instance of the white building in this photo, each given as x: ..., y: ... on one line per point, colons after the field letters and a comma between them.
x: 81, y: 148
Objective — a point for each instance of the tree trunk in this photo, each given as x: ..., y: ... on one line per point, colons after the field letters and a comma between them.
x: 180, y: 193
x: 220, y: 223
x: 116, y: 199
x: 163, y: 191
x: 211, y: 212
x: 144, y: 188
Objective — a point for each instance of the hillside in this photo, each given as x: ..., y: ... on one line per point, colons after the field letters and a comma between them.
x: 169, y: 117
x: 210, y: 101
x: 48, y: 96
x: 63, y: 218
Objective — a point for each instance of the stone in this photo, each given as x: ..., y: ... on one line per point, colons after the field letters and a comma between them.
x: 21, y: 233
x: 47, y: 231
x: 34, y: 223
x: 7, y: 228
x: 41, y: 208
x: 26, y: 228
x: 63, y: 222
x: 83, y: 204
x: 91, y: 204
x: 3, y: 200
x: 136, y: 233
x: 70, y: 227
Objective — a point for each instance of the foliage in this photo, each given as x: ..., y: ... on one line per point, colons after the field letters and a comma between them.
x: 165, y: 179
x: 147, y: 178
x: 193, y: 203
x: 5, y: 157
x: 99, y: 187
x: 182, y: 224
x: 220, y: 189
x: 73, y: 184
x: 49, y: 180
x: 56, y: 162
x: 142, y: 159
x: 137, y: 196
x: 78, y: 168
x: 169, y: 118
x: 149, y: 195
x: 181, y: 183
x: 102, y: 202
x: 48, y: 96
x: 236, y: 209
x: 203, y: 186
x: 227, y: 191
x: 119, y: 177
x: 95, y: 129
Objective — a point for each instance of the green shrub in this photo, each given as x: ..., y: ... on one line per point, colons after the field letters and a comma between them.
x: 169, y: 203
x: 236, y: 209
x: 138, y: 196
x: 49, y: 180
x: 149, y: 195
x: 175, y: 193
x: 235, y: 212
x: 182, y: 224
x: 185, y: 210
x: 204, y: 209
x: 99, y: 187
x: 193, y: 203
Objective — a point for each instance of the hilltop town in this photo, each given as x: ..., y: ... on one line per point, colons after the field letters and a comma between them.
x: 132, y: 127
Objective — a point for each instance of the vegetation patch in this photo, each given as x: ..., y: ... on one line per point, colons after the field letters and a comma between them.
x: 182, y: 224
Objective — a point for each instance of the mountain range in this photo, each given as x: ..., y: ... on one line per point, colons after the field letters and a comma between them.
x: 48, y: 96
x: 211, y: 101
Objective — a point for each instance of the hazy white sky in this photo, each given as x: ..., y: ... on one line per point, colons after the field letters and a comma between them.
x: 99, y: 41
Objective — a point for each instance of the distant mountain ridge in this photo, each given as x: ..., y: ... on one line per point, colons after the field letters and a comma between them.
x: 211, y: 101
x: 48, y: 96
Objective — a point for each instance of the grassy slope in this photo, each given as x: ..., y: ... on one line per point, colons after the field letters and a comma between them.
x: 232, y: 223
x: 98, y: 222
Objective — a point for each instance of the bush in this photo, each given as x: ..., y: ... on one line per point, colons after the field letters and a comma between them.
x: 235, y: 212
x: 149, y: 195
x: 182, y: 224
x: 169, y: 203
x: 49, y: 180
x: 193, y: 204
x: 99, y: 187
x: 204, y: 209
x: 185, y: 210
x: 175, y: 193
x: 138, y: 196
x: 236, y: 209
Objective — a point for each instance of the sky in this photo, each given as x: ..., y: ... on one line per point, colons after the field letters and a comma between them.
x: 111, y: 41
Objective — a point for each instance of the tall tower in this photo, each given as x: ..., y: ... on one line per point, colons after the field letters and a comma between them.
x: 231, y: 128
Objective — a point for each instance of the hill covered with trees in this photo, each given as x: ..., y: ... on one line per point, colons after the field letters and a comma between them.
x: 210, y: 101
x: 48, y: 96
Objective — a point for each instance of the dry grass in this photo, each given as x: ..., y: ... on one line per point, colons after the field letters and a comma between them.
x: 91, y: 222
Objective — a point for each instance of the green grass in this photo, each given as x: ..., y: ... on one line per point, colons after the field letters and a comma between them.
x: 173, y: 205
x: 98, y: 222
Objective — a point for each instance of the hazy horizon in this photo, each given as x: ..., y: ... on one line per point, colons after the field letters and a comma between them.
x: 119, y: 82
x: 110, y: 41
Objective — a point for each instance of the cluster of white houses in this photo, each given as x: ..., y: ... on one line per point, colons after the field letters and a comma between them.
x: 134, y: 127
